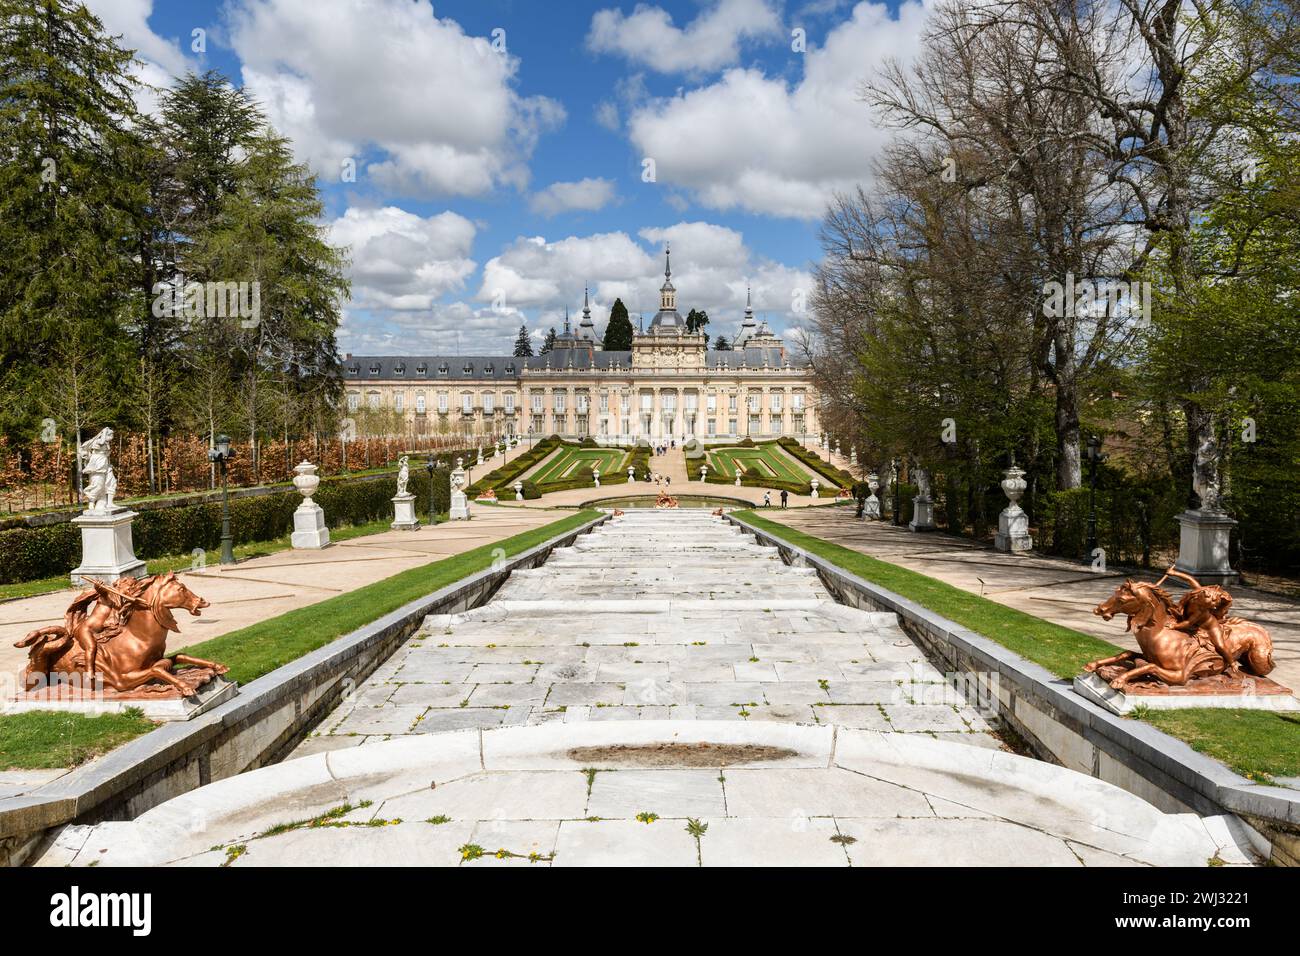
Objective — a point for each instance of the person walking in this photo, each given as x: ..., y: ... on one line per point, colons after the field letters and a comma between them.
x: 785, y: 498
x: 767, y: 499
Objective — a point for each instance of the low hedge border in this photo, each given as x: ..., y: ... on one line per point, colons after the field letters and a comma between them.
x: 32, y: 553
x: 836, y: 476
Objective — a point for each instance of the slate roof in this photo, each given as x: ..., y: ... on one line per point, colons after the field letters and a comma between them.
x: 423, y: 368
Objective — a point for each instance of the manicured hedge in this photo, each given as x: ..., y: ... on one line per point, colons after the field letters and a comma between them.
x: 28, y: 554
x: 505, y: 476
x: 837, y: 476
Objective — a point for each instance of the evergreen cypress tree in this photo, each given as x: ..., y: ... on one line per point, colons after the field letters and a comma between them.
x: 549, y: 342
x: 720, y: 344
x: 523, y: 344
x: 618, y: 333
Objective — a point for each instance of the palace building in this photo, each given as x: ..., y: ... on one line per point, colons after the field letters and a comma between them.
x: 671, y: 385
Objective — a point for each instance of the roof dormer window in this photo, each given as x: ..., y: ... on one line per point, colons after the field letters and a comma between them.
x: 510, y: 368
x: 399, y: 368
x: 374, y: 368
x: 467, y: 368
x: 443, y: 369
x: 354, y: 369
x: 488, y: 368
x: 422, y: 369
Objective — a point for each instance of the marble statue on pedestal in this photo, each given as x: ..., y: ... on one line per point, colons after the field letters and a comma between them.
x: 404, y: 518
x: 107, y: 549
x: 923, y: 503
x: 1205, y: 532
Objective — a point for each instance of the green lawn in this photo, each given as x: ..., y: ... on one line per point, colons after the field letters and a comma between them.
x: 1259, y: 745
x: 43, y: 739
x: 259, y: 648
x: 762, y: 461
x: 565, y: 463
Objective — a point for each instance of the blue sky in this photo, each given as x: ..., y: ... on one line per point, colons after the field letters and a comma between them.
x: 500, y: 148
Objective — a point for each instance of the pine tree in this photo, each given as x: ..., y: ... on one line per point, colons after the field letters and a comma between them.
x: 549, y: 343
x: 618, y: 333
x: 720, y: 344
x: 696, y: 321
x: 66, y: 121
x: 523, y: 344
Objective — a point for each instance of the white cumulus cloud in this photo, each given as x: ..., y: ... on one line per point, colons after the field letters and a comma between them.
x: 401, y: 261
x: 647, y: 36
x: 585, y: 195
x: 344, y: 78
x: 759, y: 143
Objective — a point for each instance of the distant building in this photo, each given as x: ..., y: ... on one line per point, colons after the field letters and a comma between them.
x: 670, y: 385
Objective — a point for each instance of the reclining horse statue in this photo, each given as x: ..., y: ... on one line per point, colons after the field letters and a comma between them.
x: 1184, y: 640
x: 118, y: 634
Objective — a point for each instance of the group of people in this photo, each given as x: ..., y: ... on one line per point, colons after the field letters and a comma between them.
x: 785, y: 499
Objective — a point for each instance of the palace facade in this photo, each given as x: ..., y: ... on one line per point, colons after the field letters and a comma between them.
x: 671, y: 385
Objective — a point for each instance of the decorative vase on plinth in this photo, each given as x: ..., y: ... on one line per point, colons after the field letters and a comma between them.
x: 459, y: 501
x: 309, y: 531
x: 814, y: 485
x: 1203, y: 547
x: 1013, y: 523
x: 107, y: 550
x: 519, y: 490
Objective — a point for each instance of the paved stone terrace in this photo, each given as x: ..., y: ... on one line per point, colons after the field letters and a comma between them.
x: 499, y: 737
x: 1055, y: 589
x: 657, y: 615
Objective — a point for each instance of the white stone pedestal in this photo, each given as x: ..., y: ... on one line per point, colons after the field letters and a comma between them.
x: 1203, y: 547
x: 309, y: 529
x: 107, y: 551
x: 871, y: 508
x: 404, y: 518
x: 922, y: 513
x: 1013, y: 530
x: 459, y: 506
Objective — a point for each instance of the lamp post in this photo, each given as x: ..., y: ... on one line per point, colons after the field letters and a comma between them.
x: 220, y: 455
x: 530, y: 437
x: 898, y: 503
x: 1095, y: 458
x: 433, y: 516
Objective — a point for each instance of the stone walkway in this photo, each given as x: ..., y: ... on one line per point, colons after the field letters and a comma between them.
x: 664, y: 692
x: 258, y: 588
x: 1061, y: 591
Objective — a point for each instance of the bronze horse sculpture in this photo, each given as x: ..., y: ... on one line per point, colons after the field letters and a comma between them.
x: 119, y: 634
x: 1185, y: 640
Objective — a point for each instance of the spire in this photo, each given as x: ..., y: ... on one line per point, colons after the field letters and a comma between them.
x: 566, y: 320
x: 586, y: 307
x: 668, y: 271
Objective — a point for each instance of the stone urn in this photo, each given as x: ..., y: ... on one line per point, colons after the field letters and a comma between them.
x: 815, y: 485
x: 631, y: 476
x: 871, y: 507
x: 306, y: 480
x: 595, y: 474
x: 737, y: 479
x: 704, y: 470
x: 1013, y: 523
x: 519, y: 491
x: 309, y: 530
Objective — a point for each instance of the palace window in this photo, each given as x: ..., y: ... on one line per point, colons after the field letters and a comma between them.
x: 582, y: 403
x: 754, y: 401
x: 731, y: 404
x: 713, y: 426
x: 422, y: 369
x: 753, y: 424
x: 692, y: 401
x: 443, y: 369
x: 647, y: 402
x: 488, y: 368
x: 399, y: 401
x: 796, y: 401
x: 373, y: 400
x: 557, y: 403
x: 626, y: 406
x: 669, y: 401
x: 374, y: 368
x: 489, y: 403
x: 442, y: 402
x: 713, y: 404
x: 467, y: 368
x: 604, y: 404
x: 537, y: 403
x: 731, y: 426
x: 510, y: 368
x: 776, y: 401
x: 510, y: 403
x: 419, y: 403
x: 467, y: 402
x: 399, y: 368
x: 354, y: 401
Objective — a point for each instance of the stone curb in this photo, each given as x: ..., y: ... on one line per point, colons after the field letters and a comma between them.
x: 178, y: 757
x: 1163, y: 762
x: 235, y: 810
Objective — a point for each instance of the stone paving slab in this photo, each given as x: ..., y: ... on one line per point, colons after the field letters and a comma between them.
x: 521, y: 797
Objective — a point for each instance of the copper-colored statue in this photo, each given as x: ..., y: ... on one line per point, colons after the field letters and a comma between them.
x: 122, y: 638
x: 665, y: 500
x: 1185, y: 640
